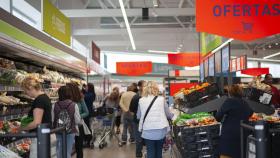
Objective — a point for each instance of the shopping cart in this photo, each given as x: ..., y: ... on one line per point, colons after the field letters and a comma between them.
x: 103, y: 127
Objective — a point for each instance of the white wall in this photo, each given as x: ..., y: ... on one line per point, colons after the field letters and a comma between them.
x: 5, y: 4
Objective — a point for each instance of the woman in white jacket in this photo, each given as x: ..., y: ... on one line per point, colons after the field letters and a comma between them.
x: 153, y: 123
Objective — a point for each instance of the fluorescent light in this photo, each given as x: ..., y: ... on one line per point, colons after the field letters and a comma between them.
x: 272, y: 55
x: 165, y: 52
x: 221, y: 46
x: 259, y: 59
x: 127, y: 25
x: 155, y: 2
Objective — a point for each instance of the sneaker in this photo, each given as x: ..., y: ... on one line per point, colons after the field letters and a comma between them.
x: 132, y: 141
x: 123, y: 142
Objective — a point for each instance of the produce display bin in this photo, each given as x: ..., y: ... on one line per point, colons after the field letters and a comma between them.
x: 197, y: 142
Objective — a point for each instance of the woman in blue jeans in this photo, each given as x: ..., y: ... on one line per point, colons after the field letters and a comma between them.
x: 155, y: 126
x: 66, y: 113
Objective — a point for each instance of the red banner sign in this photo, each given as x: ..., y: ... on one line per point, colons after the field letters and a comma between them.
x: 95, y: 52
x: 255, y: 71
x: 239, y: 19
x: 134, y: 68
x: 184, y: 59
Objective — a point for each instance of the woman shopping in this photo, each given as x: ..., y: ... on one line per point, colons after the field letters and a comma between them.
x: 66, y: 114
x: 153, y: 114
x: 89, y: 100
x: 233, y: 110
x: 40, y: 109
x: 78, y: 98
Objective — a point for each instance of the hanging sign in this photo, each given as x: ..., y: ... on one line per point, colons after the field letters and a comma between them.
x: 218, y: 62
x: 134, y: 68
x: 95, y: 50
x: 162, y: 68
x: 56, y: 23
x: 209, y: 42
x: 206, y: 68
x: 225, y: 59
x: 239, y: 19
x: 233, y: 65
x: 240, y: 64
x: 201, y: 72
x: 255, y: 71
x: 211, y: 66
x: 184, y: 59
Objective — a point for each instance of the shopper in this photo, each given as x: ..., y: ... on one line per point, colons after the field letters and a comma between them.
x: 233, y: 110
x: 133, y: 108
x: 40, y: 109
x: 134, y: 87
x: 66, y: 113
x: 89, y: 100
x: 78, y: 98
x: 275, y: 92
x: 127, y: 116
x: 153, y: 114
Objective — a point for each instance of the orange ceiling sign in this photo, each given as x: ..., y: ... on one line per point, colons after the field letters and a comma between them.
x: 184, y: 59
x: 134, y: 68
x: 239, y: 19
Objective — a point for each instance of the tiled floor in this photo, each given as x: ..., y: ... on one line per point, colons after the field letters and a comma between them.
x: 114, y: 151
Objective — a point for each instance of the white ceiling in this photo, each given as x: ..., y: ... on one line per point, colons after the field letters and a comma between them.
x: 170, y: 25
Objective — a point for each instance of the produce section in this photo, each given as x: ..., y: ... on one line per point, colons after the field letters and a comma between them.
x: 196, y: 135
x: 15, y: 105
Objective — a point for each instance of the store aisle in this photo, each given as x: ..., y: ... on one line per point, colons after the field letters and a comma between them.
x: 114, y: 151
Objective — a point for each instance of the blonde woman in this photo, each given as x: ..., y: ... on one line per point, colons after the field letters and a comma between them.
x: 40, y: 109
x: 153, y: 113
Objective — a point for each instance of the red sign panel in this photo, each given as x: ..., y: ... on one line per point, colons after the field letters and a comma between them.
x: 239, y: 19
x: 255, y: 71
x: 134, y: 68
x: 184, y: 59
x: 95, y: 52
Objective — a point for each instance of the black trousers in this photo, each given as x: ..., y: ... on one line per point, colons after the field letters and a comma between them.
x: 118, y: 121
x: 87, y: 138
x: 79, y: 142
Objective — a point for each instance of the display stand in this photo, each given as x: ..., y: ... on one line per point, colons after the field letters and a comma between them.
x: 43, y: 139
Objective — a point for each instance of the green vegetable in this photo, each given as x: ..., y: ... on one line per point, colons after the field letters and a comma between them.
x: 26, y: 120
x: 6, y: 127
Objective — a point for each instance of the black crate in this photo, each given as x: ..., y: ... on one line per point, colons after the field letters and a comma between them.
x: 212, y: 89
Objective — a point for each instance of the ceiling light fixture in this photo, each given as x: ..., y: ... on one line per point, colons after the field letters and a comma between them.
x: 155, y: 3
x: 127, y: 25
x: 164, y: 52
x: 272, y: 55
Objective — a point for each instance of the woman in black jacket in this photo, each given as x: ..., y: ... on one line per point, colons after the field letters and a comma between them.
x: 233, y: 110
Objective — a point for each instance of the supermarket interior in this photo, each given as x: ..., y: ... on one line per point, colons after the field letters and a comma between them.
x: 139, y: 79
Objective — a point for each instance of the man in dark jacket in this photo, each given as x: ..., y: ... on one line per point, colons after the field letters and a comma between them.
x: 133, y: 108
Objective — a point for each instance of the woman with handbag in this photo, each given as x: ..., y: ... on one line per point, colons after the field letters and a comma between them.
x: 153, y: 113
x: 78, y: 98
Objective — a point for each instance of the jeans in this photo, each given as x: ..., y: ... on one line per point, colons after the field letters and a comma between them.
x: 154, y: 148
x: 139, y: 139
x: 79, y: 142
x: 70, y: 138
x: 127, y: 125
